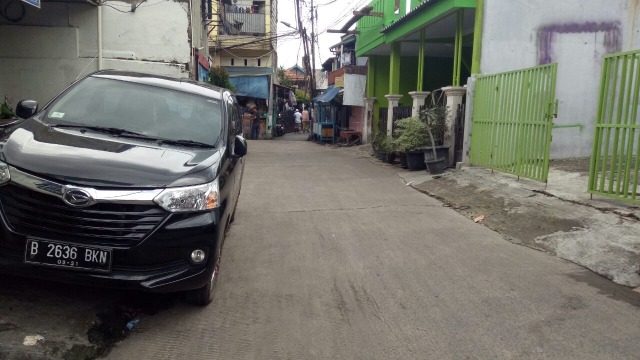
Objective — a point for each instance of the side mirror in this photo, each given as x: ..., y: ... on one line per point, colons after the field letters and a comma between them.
x: 240, y: 146
x: 26, y: 108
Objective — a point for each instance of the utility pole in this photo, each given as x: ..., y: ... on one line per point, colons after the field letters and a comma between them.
x: 304, y: 38
x: 313, y: 51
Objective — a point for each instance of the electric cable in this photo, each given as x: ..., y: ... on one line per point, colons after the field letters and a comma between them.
x: 123, y: 11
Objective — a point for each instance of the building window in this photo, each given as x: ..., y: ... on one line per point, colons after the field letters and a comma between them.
x: 245, y: 62
x: 232, y: 62
x: 258, y: 62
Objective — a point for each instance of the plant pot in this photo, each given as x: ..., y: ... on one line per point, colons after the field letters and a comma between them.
x: 403, y: 160
x: 388, y: 157
x: 441, y: 152
x: 415, y: 160
x: 436, y: 166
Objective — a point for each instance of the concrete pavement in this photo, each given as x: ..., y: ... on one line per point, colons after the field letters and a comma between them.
x: 561, y: 218
x: 334, y: 257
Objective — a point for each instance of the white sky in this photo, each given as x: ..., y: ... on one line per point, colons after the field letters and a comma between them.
x: 332, y: 14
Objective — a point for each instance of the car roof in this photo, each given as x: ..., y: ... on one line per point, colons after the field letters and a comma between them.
x: 184, y: 85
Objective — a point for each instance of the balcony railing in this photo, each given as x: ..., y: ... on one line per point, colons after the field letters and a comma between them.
x: 351, y: 69
x: 243, y: 21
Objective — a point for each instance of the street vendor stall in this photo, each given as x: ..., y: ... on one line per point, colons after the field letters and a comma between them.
x: 324, y: 127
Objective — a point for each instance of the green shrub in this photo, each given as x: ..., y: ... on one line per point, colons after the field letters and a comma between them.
x: 411, y: 134
x: 387, y: 145
x: 218, y: 76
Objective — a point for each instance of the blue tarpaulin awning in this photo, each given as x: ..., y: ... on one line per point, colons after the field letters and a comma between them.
x: 250, y: 81
x: 251, y: 86
x: 327, y: 95
x: 235, y: 71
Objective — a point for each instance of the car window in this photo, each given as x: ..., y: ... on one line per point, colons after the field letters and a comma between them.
x: 150, y: 110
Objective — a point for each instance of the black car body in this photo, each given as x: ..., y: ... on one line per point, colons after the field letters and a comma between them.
x: 123, y: 180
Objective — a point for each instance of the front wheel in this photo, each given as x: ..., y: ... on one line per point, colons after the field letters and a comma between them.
x: 204, y: 295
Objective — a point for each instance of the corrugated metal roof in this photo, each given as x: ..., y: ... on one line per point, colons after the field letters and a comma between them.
x: 410, y: 15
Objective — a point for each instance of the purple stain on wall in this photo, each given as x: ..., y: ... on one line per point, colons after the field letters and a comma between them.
x: 547, y: 34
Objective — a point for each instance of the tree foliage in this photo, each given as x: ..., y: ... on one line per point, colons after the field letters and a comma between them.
x: 302, y: 97
x: 283, y: 78
x: 218, y: 76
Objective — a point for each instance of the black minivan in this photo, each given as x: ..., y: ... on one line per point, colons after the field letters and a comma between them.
x: 123, y: 180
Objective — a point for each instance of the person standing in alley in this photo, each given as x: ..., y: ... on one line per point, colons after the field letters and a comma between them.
x: 305, y: 120
x: 255, y: 125
x: 298, y: 118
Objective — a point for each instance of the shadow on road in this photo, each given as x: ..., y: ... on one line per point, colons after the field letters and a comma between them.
x: 48, y: 320
x: 292, y: 137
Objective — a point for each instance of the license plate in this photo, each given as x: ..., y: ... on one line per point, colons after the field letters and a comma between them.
x: 58, y: 254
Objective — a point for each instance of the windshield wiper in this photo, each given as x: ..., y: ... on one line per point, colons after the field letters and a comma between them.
x: 108, y: 130
x: 185, y: 142
x: 118, y: 132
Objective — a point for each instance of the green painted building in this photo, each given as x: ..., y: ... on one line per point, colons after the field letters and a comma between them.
x: 416, y: 46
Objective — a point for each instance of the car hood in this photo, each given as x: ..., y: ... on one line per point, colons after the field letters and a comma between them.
x: 101, y: 160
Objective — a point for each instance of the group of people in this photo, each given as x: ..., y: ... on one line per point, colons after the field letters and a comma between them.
x: 302, y: 120
x: 255, y: 122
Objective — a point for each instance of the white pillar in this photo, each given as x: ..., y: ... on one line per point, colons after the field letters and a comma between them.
x: 367, y: 133
x: 468, y: 119
x: 393, y: 102
x: 454, y: 99
x: 418, y: 100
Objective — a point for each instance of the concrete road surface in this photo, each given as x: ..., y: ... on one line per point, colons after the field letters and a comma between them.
x: 333, y: 257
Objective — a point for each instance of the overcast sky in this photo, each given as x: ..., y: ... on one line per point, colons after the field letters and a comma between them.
x: 332, y: 14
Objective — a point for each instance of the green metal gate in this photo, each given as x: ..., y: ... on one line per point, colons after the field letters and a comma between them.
x: 615, y: 160
x: 512, y: 119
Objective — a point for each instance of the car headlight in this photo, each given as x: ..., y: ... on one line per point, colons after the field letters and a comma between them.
x: 5, y: 176
x: 190, y: 198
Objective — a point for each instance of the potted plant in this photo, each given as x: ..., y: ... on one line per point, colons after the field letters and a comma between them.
x: 434, y: 119
x: 411, y: 138
x: 388, y: 150
x: 376, y: 144
x: 6, y: 112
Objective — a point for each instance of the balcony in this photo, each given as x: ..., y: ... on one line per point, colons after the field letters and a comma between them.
x: 241, y: 21
x: 350, y: 69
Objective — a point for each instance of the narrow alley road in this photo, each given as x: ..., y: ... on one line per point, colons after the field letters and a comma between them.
x: 331, y: 256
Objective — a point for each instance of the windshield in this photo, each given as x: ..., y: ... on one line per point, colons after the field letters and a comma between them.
x: 144, y: 109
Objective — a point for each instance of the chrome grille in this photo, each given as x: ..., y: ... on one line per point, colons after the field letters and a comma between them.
x: 37, y: 214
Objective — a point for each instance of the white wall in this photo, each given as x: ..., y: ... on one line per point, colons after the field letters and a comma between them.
x: 573, y: 33
x: 51, y: 47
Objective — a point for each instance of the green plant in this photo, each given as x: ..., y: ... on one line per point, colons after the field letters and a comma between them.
x: 283, y: 79
x: 220, y: 77
x: 434, y: 118
x: 301, y: 97
x: 387, y: 144
x: 378, y: 138
x: 6, y: 112
x: 410, y: 134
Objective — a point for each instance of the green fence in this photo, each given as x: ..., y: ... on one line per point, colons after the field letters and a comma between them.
x: 512, y: 120
x: 614, y: 160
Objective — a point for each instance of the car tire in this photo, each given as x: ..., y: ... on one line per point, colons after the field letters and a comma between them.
x: 204, y: 295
